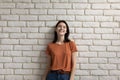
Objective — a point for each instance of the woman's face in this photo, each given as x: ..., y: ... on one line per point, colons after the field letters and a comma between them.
x: 61, y: 29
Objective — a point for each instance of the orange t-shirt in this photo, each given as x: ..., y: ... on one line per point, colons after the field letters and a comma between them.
x: 61, y: 55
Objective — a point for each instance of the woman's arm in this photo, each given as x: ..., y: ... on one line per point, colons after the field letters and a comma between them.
x: 48, y: 67
x: 74, y: 54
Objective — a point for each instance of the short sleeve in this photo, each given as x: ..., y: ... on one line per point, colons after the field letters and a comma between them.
x: 48, y: 50
x: 73, y: 46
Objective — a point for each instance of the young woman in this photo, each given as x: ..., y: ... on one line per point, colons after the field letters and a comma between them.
x: 61, y: 55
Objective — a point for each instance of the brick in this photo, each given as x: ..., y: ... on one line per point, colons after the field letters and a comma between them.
x: 43, y: 42
x: 22, y: 47
x: 101, y: 42
x: 117, y: 18
x: 4, y: 35
x: 108, y: 66
x: 78, y: 1
x: 56, y: 11
x: 28, y: 17
x: 103, y: 18
x: 1, y: 53
x: 41, y: 60
x: 40, y: 1
x: 12, y: 53
x: 115, y: 6
x: 45, y: 30
x: 75, y: 36
x: 23, y: 71
x: 91, y: 36
x: 109, y: 24
x: 47, y: 17
x: 24, y: 5
x: 14, y: 77
x: 0, y: 29
x: 28, y: 41
x: 19, y: 11
x: 11, y: 29
x: 103, y: 30
x: 108, y: 78
x: 43, y: 5
x: 110, y: 36
x: 116, y: 1
x: 94, y: 12
x: 75, y: 24
x: 29, y: 29
x: 84, y: 30
x: 32, y: 77
x: 117, y: 30
x: 72, y: 30
x: 18, y: 35
x: 100, y: 6
x: 84, y: 42
x: 6, y: 47
x: 12, y: 65
x: 89, y: 66
x: 90, y: 24
x: 51, y: 23
x: 97, y: 48
x: 88, y: 54
x: 97, y: 1
x: 22, y: 59
x: 7, y: 5
x: 75, y: 12
x: 99, y: 72
x: 116, y: 42
x: 1, y: 65
x: 3, y: 23
x: 31, y: 65
x: 31, y: 53
x: 85, y: 18
x: 81, y: 6
x: 9, y: 17
x: 112, y: 12
x: 38, y: 47
x: 113, y: 48
x: 114, y: 60
x: 59, y: 0
x: 40, y: 72
x: 82, y: 48
x: 98, y: 60
x: 65, y: 17
x: 22, y: 1
x: 17, y: 23
x: 36, y: 35
x: 4, y: 11
x: 9, y: 41
x: 2, y: 77
x: 35, y: 24
x: 5, y: 0
x: 38, y: 11
x: 62, y: 5
x: 49, y: 36
x: 6, y: 71
x: 115, y: 72
x: 107, y: 54
x: 89, y: 78
x: 82, y: 60
x: 82, y: 72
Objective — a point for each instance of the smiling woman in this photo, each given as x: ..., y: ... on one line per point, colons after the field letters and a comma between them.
x: 61, y: 55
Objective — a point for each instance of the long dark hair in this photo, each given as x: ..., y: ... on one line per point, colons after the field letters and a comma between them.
x: 66, y: 39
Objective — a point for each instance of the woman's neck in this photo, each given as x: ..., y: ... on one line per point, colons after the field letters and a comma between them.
x: 60, y: 39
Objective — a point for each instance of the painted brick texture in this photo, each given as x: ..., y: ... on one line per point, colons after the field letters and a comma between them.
x: 26, y: 26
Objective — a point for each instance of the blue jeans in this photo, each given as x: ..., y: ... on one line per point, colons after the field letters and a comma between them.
x: 57, y: 76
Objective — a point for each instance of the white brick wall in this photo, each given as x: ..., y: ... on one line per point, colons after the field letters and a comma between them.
x: 26, y: 26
